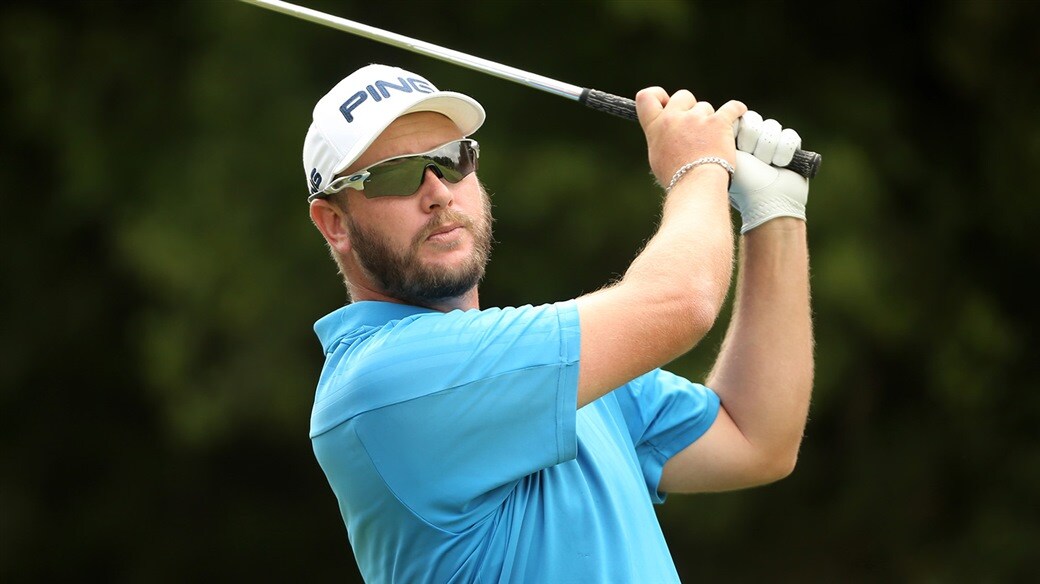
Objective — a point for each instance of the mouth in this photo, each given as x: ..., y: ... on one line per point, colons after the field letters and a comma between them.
x: 445, y: 232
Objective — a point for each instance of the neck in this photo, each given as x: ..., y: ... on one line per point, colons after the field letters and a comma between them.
x: 469, y: 300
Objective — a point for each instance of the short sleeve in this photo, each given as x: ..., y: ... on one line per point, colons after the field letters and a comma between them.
x: 664, y: 413
x: 475, y: 401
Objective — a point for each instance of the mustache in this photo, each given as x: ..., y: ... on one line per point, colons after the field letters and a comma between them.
x: 442, y: 219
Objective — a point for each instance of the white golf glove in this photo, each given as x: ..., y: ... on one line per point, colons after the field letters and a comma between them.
x: 761, y: 190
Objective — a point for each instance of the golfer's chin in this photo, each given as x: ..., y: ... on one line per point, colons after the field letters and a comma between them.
x: 452, y: 260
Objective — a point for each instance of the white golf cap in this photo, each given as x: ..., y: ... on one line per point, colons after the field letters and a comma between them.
x: 357, y: 110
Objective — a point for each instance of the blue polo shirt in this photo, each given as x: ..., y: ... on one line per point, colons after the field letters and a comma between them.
x: 456, y: 451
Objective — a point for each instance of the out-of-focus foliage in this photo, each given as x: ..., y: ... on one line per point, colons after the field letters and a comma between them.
x: 161, y: 275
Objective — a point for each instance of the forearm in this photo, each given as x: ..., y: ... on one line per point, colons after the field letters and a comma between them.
x: 691, y: 255
x: 669, y: 297
x: 764, y: 371
x: 690, y: 258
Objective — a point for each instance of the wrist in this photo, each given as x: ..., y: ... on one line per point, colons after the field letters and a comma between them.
x: 712, y: 161
x: 779, y: 224
x: 770, y: 212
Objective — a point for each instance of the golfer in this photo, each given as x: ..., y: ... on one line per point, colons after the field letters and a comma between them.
x: 529, y: 444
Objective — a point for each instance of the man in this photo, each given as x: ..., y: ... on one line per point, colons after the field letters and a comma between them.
x: 529, y: 444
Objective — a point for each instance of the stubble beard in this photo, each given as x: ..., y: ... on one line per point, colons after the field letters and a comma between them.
x: 402, y: 275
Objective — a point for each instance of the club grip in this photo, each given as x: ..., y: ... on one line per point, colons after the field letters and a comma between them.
x: 804, y: 162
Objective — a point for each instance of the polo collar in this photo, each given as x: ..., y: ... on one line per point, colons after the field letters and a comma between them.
x: 367, y: 313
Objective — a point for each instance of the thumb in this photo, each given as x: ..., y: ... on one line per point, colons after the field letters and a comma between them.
x: 650, y: 103
x: 756, y: 181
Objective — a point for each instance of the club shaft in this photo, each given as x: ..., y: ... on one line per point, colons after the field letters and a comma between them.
x: 424, y: 48
x: 805, y: 163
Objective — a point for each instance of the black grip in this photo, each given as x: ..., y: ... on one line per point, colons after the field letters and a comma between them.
x: 804, y: 162
x: 621, y: 107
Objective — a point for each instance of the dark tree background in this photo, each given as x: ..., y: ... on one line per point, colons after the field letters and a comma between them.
x: 161, y: 276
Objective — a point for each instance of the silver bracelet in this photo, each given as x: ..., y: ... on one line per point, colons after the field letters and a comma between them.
x: 705, y: 160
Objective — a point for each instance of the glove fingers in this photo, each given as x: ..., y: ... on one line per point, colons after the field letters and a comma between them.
x: 750, y: 129
x: 789, y: 143
x: 767, y: 141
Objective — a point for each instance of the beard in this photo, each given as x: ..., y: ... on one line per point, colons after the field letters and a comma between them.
x: 402, y: 275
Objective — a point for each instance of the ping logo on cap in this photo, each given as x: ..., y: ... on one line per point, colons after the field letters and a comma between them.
x: 380, y: 90
x: 315, y: 180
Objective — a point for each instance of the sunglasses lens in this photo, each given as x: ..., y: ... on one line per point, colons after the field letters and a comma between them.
x: 395, y: 178
x: 404, y: 176
x: 457, y: 162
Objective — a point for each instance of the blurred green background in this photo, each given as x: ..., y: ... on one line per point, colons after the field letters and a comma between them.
x: 161, y: 276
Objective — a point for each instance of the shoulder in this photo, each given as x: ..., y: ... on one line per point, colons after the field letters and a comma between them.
x: 376, y: 365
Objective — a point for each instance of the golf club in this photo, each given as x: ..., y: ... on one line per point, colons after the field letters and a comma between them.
x: 804, y: 162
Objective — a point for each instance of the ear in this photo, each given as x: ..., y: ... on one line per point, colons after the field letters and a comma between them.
x: 331, y: 221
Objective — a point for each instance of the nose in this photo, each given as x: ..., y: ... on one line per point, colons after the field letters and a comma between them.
x: 435, y: 192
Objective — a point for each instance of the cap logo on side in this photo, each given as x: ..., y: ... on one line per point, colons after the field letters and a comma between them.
x: 315, y: 181
x: 380, y: 90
